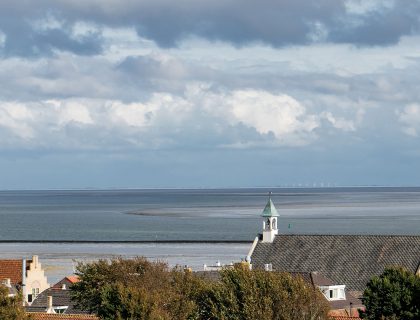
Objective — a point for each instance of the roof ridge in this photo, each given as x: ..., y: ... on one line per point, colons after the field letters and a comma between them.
x: 350, y: 235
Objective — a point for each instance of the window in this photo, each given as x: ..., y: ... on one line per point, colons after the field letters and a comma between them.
x: 35, y: 292
x: 61, y: 309
x: 341, y: 294
x: 29, y: 298
x: 333, y: 293
x: 268, y: 267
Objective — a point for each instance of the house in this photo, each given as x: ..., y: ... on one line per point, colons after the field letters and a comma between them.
x: 26, y: 275
x: 55, y: 316
x: 57, y: 299
x: 342, y: 302
x: 12, y: 289
x: 349, y: 260
x: 66, y: 282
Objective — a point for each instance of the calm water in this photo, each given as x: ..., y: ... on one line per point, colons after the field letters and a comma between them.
x: 59, y: 259
x: 225, y: 214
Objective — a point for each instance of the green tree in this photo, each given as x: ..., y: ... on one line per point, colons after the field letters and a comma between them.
x: 11, y: 308
x: 393, y: 295
x: 134, y: 289
x: 144, y: 290
x: 243, y: 294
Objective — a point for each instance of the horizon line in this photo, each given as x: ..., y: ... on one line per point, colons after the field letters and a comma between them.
x: 208, y: 188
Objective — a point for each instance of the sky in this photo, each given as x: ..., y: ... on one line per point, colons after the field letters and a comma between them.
x: 220, y: 93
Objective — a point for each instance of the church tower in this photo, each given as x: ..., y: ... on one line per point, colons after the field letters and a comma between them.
x: 269, y: 216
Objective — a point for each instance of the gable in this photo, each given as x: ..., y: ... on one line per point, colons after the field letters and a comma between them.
x: 346, y: 259
x: 67, y: 281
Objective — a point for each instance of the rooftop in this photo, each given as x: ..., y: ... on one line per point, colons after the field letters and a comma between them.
x: 60, y: 297
x: 55, y: 316
x: 11, y: 269
x: 269, y: 210
x: 345, y: 259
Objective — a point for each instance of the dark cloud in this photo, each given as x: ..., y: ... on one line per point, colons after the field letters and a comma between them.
x: 277, y: 23
x: 240, y: 22
x: 382, y: 27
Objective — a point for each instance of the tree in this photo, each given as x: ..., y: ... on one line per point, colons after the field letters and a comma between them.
x: 393, y: 295
x: 144, y: 290
x: 11, y: 308
x: 134, y: 289
x: 244, y: 294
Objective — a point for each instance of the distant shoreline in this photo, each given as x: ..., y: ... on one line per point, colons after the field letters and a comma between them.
x: 128, y: 241
x: 296, y: 186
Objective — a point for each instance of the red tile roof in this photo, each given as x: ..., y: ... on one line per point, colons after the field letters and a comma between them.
x: 73, y: 279
x: 56, y: 316
x: 11, y: 269
x: 67, y: 281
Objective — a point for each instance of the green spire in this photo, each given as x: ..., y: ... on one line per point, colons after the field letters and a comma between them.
x: 270, y: 210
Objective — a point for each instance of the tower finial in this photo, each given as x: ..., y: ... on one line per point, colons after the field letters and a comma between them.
x: 269, y: 215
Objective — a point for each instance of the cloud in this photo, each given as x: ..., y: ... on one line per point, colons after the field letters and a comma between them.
x: 410, y: 119
x: 45, y: 27
x: 15, y: 118
x: 384, y: 25
x: 198, y: 118
x: 36, y: 34
x: 339, y: 123
x: 280, y: 115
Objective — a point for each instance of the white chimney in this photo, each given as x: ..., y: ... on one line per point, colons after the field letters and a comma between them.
x: 50, y: 308
x: 35, y: 261
x: 7, y: 283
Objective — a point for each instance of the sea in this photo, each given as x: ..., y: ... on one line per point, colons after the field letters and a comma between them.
x: 187, y: 226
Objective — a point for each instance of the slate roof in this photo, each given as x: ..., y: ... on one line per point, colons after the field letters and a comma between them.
x: 345, y: 259
x: 60, y: 298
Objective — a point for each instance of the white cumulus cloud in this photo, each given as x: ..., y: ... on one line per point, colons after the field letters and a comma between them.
x: 280, y: 114
x: 199, y: 115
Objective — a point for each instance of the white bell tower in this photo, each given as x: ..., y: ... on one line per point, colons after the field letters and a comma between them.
x: 269, y: 216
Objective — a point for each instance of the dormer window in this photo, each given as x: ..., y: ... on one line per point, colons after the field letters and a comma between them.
x: 268, y: 267
x: 61, y: 309
x: 333, y: 293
